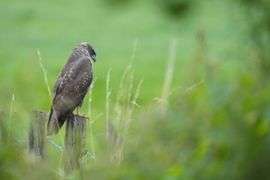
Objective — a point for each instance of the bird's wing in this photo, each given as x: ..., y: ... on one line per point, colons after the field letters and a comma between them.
x: 83, y: 79
x: 62, y: 79
x: 74, y: 79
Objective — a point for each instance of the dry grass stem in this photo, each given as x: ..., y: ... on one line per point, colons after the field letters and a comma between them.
x: 136, y: 96
x: 169, y: 74
x: 107, y: 103
x: 45, y: 75
x: 169, y: 70
x: 133, y: 56
x: 10, y: 115
x: 194, y: 86
x: 91, y: 121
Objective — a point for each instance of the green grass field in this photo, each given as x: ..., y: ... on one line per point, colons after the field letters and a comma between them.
x: 217, y: 120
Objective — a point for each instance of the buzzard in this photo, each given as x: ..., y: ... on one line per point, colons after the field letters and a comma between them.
x: 71, y: 85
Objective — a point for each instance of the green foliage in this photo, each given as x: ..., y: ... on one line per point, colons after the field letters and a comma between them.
x: 259, y: 15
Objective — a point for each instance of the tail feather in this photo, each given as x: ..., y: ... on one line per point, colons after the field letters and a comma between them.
x: 54, y: 123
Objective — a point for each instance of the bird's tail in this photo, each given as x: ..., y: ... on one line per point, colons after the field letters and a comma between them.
x: 54, y: 123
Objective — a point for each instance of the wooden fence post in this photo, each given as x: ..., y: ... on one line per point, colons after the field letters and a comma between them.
x: 37, y: 133
x: 74, y: 142
x: 74, y: 138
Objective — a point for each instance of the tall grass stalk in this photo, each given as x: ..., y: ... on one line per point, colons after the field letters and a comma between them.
x: 194, y: 86
x: 136, y: 96
x: 124, y: 107
x: 107, y: 104
x: 91, y: 121
x: 168, y: 75
x: 123, y: 94
x: 45, y: 75
x: 10, y: 115
x: 128, y: 119
x: 133, y: 56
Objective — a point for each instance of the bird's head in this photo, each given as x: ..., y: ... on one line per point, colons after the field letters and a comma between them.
x: 90, y: 50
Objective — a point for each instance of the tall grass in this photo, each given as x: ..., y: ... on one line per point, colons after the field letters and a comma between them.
x: 118, y: 125
x: 45, y: 75
x: 107, y: 104
x: 135, y: 46
x: 168, y: 76
x: 11, y: 111
x: 91, y: 120
x: 169, y: 70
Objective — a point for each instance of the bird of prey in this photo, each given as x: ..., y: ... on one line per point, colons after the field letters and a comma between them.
x: 71, y: 86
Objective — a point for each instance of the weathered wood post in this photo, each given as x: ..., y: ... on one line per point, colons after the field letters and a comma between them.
x: 37, y: 133
x: 74, y: 138
x: 74, y: 142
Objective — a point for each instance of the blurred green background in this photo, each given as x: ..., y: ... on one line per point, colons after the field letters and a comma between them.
x: 217, y: 119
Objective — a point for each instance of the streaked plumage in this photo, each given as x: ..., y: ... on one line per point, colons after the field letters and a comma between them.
x: 71, y: 86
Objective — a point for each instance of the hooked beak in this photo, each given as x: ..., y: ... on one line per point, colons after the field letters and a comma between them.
x: 93, y: 58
